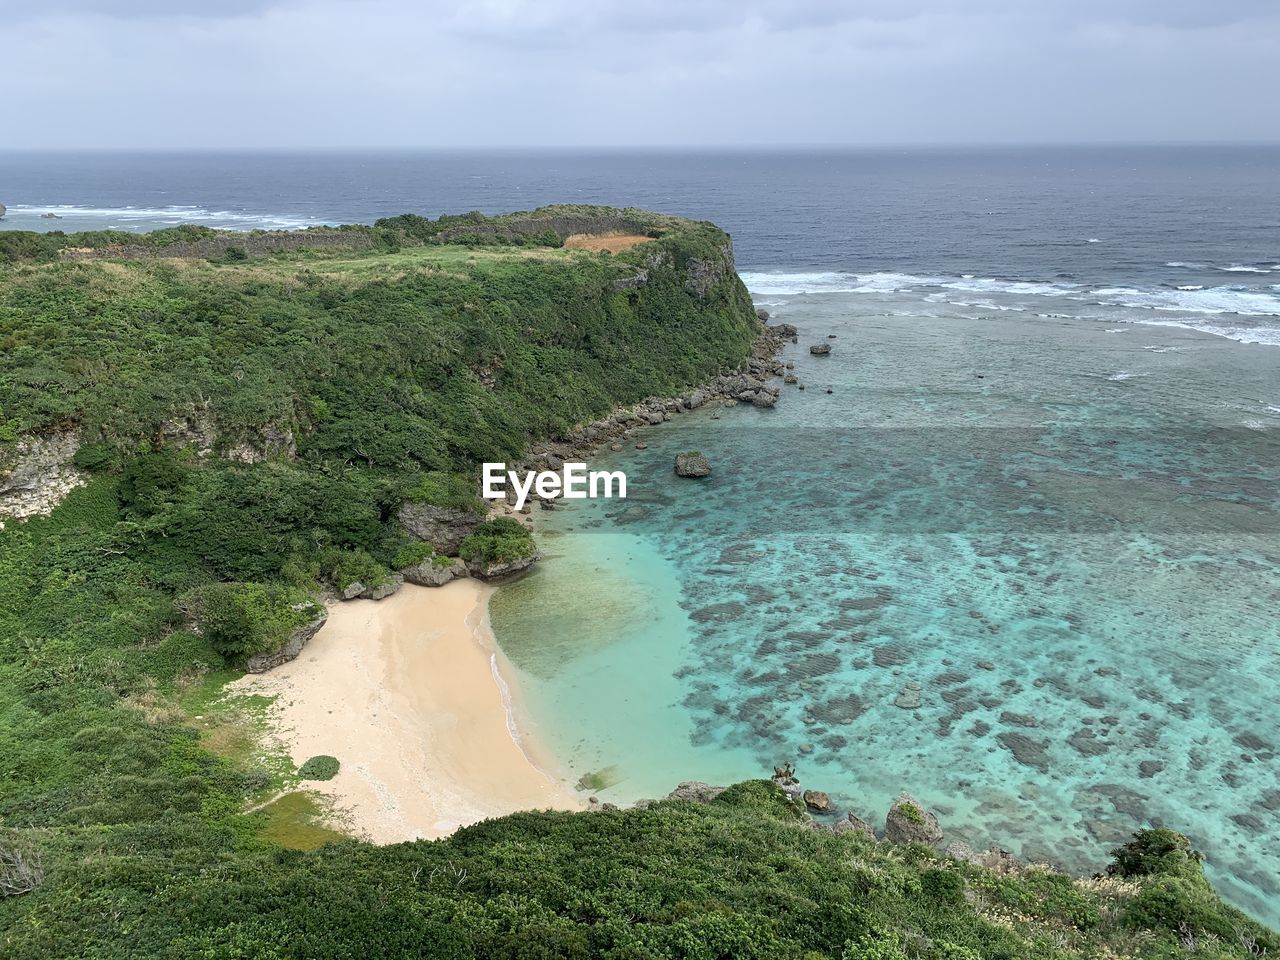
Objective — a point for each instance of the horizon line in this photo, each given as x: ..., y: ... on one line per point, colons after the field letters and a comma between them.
x: 646, y: 147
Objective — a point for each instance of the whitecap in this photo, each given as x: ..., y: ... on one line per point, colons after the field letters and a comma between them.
x: 790, y: 284
x: 169, y: 216
x: 1269, y: 336
x: 1125, y: 375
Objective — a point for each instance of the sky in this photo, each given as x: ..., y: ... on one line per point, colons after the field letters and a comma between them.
x: 282, y: 74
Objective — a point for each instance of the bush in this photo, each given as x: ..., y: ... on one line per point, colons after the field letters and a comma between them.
x: 450, y: 490
x: 319, y: 767
x: 500, y: 540
x: 243, y: 619
x: 1158, y: 851
x: 763, y: 796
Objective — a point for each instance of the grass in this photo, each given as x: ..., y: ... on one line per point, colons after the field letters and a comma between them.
x: 295, y: 821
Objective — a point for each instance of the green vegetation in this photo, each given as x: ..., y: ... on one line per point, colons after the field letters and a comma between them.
x: 500, y: 540
x: 741, y: 877
x: 250, y: 426
x: 319, y: 767
x: 911, y: 813
x: 241, y: 619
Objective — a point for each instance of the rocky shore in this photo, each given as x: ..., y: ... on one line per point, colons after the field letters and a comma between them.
x: 749, y: 384
x: 445, y: 528
x: 908, y: 821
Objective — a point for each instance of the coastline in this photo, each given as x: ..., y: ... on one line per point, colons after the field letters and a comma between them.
x: 409, y: 693
x: 431, y: 736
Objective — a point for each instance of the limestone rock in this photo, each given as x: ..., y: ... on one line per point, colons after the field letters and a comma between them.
x: 909, y: 822
x: 443, y: 527
x: 352, y: 590
x: 384, y: 590
x: 261, y: 662
x: 38, y: 474
x: 430, y: 573
x: 695, y: 790
x: 909, y: 697
x: 499, y: 569
x: 820, y: 349
x: 692, y: 465
x: 817, y: 801
x: 852, y: 823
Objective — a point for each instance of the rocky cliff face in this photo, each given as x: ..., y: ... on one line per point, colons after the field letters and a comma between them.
x: 37, y: 474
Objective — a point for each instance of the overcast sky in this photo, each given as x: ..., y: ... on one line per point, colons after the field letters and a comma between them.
x: 426, y: 73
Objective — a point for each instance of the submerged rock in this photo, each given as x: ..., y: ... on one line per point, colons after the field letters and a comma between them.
x: 909, y: 697
x: 692, y: 464
x: 1028, y: 752
x: 909, y: 822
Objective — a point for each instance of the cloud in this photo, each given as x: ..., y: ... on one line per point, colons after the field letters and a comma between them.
x: 564, y: 72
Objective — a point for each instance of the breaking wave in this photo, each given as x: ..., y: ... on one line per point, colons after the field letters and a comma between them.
x: 152, y: 217
x: 1208, y: 309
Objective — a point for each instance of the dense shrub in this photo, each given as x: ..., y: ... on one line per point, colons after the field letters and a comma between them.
x: 500, y: 540
x: 1156, y: 851
x: 319, y: 767
x: 242, y: 619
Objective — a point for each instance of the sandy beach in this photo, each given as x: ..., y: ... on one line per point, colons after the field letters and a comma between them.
x: 407, y: 693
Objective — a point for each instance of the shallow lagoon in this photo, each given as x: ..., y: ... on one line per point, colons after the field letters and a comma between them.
x: 1065, y: 532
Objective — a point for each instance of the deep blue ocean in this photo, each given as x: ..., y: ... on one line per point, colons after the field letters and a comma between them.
x: 1016, y: 546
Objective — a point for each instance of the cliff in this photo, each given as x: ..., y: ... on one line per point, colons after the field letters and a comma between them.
x: 219, y: 427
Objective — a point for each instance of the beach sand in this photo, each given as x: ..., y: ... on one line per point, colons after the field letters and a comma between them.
x: 407, y: 693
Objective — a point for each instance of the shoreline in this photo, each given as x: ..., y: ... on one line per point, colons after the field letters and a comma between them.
x: 409, y: 693
x: 365, y: 677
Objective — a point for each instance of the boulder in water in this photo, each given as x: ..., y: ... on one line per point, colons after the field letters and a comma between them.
x: 820, y: 349
x: 692, y: 464
x: 909, y: 822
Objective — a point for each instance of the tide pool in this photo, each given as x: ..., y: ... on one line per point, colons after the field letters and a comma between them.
x: 1058, y: 532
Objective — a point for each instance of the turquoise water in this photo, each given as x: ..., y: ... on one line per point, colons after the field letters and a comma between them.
x: 1064, y: 528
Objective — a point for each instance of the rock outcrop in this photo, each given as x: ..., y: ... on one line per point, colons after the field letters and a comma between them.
x: 36, y: 473
x: 695, y: 790
x: 851, y: 823
x: 692, y: 465
x: 817, y: 801
x: 384, y: 590
x: 498, y: 569
x: 432, y: 573
x: 443, y: 527
x: 820, y: 349
x: 2, y: 211
x: 262, y: 662
x: 909, y: 822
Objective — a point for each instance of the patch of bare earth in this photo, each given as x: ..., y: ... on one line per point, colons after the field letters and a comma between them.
x: 595, y: 242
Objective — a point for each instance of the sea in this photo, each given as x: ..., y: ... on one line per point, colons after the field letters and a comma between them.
x: 1014, y: 548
